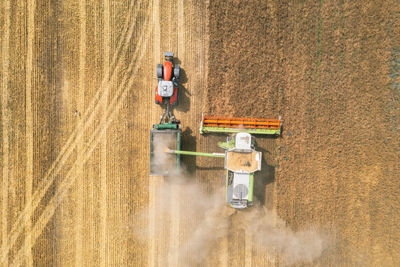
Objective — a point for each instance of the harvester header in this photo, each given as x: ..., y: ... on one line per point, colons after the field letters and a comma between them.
x: 234, y: 125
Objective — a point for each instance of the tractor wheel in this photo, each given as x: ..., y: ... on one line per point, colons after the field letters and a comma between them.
x: 177, y: 71
x: 159, y: 71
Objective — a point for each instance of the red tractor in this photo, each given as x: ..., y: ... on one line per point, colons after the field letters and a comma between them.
x: 168, y: 81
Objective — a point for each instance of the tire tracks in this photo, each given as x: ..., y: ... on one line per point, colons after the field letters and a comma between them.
x: 78, y: 227
x: 70, y: 145
x: 175, y: 214
x: 153, y: 179
x: 5, y: 125
x: 29, y: 132
x: 95, y: 138
x: 103, y: 157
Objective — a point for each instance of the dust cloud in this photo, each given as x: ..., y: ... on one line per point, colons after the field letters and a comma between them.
x: 162, y: 162
x: 208, y: 218
x: 270, y: 232
x: 211, y: 219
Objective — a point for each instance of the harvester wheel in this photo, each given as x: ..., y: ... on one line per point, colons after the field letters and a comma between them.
x: 159, y: 71
x: 177, y: 71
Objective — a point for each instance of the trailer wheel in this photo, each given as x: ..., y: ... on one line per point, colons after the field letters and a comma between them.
x: 159, y: 71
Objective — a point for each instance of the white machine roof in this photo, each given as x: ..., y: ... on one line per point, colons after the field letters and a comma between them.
x: 243, y: 141
x: 165, y: 88
x: 241, y: 185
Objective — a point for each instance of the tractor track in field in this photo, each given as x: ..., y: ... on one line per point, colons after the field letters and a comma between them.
x: 49, y: 211
x: 29, y: 137
x: 68, y: 148
x: 112, y: 109
x: 65, y: 153
x: 5, y: 124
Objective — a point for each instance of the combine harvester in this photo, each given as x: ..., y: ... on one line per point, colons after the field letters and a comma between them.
x: 241, y: 158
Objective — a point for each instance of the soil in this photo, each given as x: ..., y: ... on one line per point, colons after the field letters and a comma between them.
x: 77, y: 106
